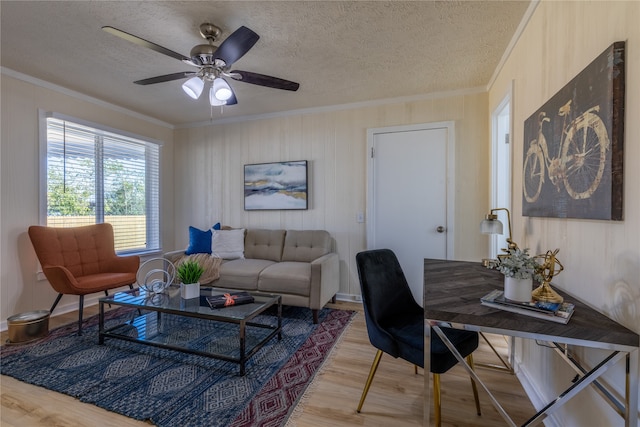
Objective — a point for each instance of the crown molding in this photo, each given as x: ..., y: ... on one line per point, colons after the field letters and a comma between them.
x: 340, y: 107
x: 72, y: 93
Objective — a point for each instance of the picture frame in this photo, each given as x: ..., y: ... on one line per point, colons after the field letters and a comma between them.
x: 573, y: 145
x: 276, y: 186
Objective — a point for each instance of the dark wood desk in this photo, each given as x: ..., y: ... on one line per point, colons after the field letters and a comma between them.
x: 452, y: 292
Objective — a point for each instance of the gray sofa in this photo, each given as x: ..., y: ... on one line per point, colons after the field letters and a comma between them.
x: 299, y: 265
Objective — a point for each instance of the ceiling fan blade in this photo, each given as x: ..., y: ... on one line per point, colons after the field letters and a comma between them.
x: 166, y: 78
x: 263, y: 80
x: 236, y: 45
x: 145, y: 43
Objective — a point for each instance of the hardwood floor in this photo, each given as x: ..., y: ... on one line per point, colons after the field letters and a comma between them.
x: 396, y: 396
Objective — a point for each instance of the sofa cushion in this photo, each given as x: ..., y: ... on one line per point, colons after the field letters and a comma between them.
x: 286, y: 277
x: 306, y: 245
x: 242, y: 273
x: 264, y: 244
x: 228, y: 244
x: 199, y: 241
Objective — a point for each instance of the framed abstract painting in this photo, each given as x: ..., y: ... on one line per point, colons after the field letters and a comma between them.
x: 275, y: 186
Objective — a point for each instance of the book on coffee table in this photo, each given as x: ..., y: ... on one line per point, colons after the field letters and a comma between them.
x: 229, y: 299
x: 554, y: 312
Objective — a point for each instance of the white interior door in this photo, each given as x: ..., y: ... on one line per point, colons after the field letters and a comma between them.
x: 501, y: 172
x: 408, y: 207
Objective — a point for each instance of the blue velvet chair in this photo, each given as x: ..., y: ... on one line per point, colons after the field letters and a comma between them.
x: 395, y: 323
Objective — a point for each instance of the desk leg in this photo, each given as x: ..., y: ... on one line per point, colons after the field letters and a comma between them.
x: 473, y: 374
x: 576, y: 387
x: 427, y: 373
x: 631, y: 395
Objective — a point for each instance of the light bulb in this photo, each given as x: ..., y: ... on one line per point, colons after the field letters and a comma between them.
x: 221, y: 89
x: 215, y: 102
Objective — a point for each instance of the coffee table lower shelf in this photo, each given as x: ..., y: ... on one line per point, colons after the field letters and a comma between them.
x: 149, y: 326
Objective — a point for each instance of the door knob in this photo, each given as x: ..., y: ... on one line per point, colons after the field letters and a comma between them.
x: 440, y: 229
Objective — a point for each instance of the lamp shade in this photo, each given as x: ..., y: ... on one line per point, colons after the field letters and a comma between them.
x: 193, y: 87
x: 491, y: 226
x: 215, y: 102
x: 221, y: 89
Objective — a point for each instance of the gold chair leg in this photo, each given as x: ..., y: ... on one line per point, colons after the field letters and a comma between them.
x: 474, y: 386
x: 436, y: 400
x: 372, y: 372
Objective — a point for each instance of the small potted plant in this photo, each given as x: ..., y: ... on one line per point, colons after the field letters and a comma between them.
x: 519, y: 269
x: 189, y: 273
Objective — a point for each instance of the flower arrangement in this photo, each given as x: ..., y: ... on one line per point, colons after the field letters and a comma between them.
x: 189, y: 272
x: 517, y: 263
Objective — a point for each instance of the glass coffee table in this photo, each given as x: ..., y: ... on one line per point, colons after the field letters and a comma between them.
x: 157, y: 321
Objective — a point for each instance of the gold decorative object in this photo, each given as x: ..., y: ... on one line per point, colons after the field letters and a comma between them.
x: 550, y: 267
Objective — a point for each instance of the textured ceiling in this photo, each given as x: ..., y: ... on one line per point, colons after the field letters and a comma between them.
x: 339, y: 51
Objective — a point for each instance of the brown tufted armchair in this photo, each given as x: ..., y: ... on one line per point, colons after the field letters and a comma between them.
x: 81, y: 261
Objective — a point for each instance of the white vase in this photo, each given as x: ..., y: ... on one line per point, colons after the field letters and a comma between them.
x: 518, y: 289
x: 190, y: 290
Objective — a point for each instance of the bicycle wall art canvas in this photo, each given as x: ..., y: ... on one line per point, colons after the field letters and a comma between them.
x: 573, y: 145
x: 281, y: 185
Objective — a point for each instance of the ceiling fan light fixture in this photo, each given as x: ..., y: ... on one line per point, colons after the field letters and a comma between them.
x: 221, y: 89
x: 211, y: 62
x: 193, y: 87
x: 215, y: 102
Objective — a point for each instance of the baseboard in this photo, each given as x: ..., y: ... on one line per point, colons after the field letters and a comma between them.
x: 348, y: 297
x: 533, y: 393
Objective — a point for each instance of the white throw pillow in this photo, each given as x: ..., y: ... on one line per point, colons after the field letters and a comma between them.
x: 228, y: 244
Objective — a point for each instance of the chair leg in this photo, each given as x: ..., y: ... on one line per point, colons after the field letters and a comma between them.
x: 436, y: 400
x: 415, y: 369
x: 55, y: 303
x: 474, y: 386
x: 372, y: 372
x: 80, y: 308
x: 315, y: 316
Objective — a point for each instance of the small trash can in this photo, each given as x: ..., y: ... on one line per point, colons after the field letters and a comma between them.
x: 29, y: 326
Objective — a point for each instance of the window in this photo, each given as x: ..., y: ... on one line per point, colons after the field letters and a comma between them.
x: 94, y: 175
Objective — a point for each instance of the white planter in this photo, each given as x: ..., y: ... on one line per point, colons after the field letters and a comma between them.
x: 190, y: 290
x: 518, y: 289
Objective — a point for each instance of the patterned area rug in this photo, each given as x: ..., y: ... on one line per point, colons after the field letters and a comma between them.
x: 170, y: 388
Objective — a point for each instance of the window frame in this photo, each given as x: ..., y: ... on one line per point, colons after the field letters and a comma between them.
x: 43, y: 115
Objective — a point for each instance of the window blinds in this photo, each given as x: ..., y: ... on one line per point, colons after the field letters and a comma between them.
x: 96, y: 176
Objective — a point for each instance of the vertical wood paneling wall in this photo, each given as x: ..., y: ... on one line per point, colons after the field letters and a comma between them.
x: 209, y: 171
x: 601, y: 258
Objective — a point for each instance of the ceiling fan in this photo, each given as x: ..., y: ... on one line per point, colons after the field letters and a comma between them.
x: 213, y: 64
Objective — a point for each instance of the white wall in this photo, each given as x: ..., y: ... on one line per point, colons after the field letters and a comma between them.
x: 209, y: 171
x: 20, y: 290
x: 601, y: 258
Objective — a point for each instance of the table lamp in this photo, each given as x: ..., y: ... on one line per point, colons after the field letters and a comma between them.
x: 492, y: 225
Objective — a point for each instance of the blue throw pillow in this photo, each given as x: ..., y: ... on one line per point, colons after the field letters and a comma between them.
x: 217, y: 226
x: 199, y: 241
